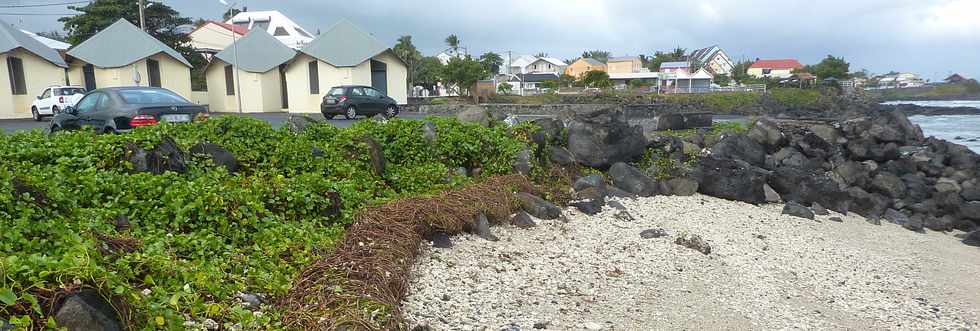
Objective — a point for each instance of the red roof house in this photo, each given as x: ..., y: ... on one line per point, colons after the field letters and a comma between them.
x: 211, y: 37
x: 774, y: 68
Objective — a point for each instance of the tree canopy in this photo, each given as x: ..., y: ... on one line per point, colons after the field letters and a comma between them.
x: 831, y: 67
x: 678, y: 54
x: 453, y: 42
x: 601, y: 56
x: 491, y: 62
x: 405, y: 50
x: 463, y: 72
x: 596, y: 78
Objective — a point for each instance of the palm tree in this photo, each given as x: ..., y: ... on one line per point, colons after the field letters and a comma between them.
x: 491, y: 62
x: 453, y: 42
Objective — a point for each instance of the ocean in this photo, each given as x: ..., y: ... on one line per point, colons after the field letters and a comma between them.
x: 960, y: 129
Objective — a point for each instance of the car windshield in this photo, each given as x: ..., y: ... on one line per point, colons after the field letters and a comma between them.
x: 150, y: 97
x: 69, y: 91
x: 336, y: 91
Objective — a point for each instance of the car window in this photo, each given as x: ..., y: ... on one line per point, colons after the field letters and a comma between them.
x: 336, y: 92
x: 88, y: 103
x: 357, y: 91
x: 46, y: 94
x: 372, y: 92
x: 140, y: 97
x: 69, y: 91
x: 103, y: 104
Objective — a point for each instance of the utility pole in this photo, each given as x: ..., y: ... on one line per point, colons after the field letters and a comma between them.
x: 142, y: 4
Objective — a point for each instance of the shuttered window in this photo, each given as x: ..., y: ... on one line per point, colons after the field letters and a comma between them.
x: 229, y: 81
x: 15, y: 69
x: 314, y: 78
x: 153, y: 69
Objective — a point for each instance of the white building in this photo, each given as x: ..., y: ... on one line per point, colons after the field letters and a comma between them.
x: 900, y: 80
x: 51, y: 43
x: 527, y: 64
x: 277, y: 25
x: 713, y: 59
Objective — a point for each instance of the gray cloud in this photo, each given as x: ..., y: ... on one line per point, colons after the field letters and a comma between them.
x: 932, y: 38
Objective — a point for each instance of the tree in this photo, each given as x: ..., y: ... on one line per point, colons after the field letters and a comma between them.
x: 723, y: 80
x: 429, y: 72
x: 231, y: 12
x: 504, y: 88
x: 831, y: 67
x: 740, y: 73
x: 596, y: 78
x: 491, y: 62
x: 601, y: 56
x: 161, y: 23
x: 541, y: 54
x: 405, y: 50
x: 463, y: 73
x: 453, y: 42
x: 678, y: 54
x: 637, y: 83
x: 566, y: 80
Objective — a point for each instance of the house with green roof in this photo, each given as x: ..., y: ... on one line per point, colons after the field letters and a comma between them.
x: 343, y: 55
x: 124, y: 55
x: 258, y: 63
x: 27, y: 67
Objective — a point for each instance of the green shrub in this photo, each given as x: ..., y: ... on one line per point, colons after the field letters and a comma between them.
x: 198, y: 238
x: 797, y: 98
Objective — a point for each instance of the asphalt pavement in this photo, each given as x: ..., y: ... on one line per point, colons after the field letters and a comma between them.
x: 276, y: 119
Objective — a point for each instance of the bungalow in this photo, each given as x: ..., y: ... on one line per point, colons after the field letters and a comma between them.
x: 28, y: 66
x: 213, y: 37
x: 713, y: 59
x: 622, y: 79
x: 259, y: 63
x: 683, y: 82
x: 583, y: 65
x: 124, y: 55
x: 774, y: 68
x: 624, y: 64
x: 954, y: 79
x: 343, y: 55
x: 276, y: 24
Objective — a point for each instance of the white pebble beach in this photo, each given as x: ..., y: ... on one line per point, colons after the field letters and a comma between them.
x: 765, y: 271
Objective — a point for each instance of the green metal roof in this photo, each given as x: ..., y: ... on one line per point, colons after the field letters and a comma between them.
x: 257, y: 52
x: 11, y: 38
x: 121, y: 44
x: 344, y: 45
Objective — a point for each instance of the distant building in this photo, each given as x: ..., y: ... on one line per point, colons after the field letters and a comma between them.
x: 260, y: 66
x: 276, y: 24
x: 531, y: 81
x: 583, y: 65
x: 449, y: 54
x: 624, y: 64
x: 782, y: 68
x: 547, y: 65
x: 900, y: 80
x: 213, y: 37
x: 679, y: 67
x: 57, y: 45
x: 954, y: 78
x: 713, y: 59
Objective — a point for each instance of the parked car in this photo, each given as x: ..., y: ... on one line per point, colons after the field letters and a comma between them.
x: 120, y: 109
x: 354, y: 100
x: 55, y: 99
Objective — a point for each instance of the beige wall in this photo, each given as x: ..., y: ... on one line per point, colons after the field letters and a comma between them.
x: 783, y: 73
x: 260, y: 91
x: 620, y: 67
x: 38, y: 74
x: 580, y: 67
x: 212, y: 36
x: 298, y: 84
x: 174, y: 75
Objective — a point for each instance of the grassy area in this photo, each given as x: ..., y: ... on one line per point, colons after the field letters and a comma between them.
x: 720, y: 102
x: 968, y: 90
x: 180, y: 246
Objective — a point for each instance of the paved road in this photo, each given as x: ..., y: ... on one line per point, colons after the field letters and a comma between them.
x: 276, y: 119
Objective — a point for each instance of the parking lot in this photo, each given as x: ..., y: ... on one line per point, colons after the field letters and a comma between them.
x: 276, y: 119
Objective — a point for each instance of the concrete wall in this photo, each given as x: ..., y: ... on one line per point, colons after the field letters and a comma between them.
x: 624, y: 66
x: 38, y: 75
x: 260, y: 91
x: 174, y: 75
x: 298, y: 83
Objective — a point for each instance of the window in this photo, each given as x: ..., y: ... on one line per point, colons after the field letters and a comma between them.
x: 357, y: 91
x: 336, y: 92
x: 46, y: 94
x: 229, y: 81
x: 103, y: 103
x: 89, y: 72
x: 153, y: 70
x: 149, y: 96
x: 766, y: 71
x: 15, y: 69
x: 314, y: 78
x: 69, y: 91
x: 87, y: 104
x: 280, y: 31
x: 372, y: 92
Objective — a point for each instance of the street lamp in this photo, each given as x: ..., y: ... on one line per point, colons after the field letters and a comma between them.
x: 234, y: 46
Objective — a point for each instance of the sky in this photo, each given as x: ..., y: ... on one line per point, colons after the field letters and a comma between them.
x: 933, y: 38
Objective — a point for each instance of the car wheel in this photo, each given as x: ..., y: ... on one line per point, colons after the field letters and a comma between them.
x: 55, y: 110
x: 351, y: 112
x: 53, y: 129
x: 109, y: 130
x: 35, y: 114
x: 391, y: 111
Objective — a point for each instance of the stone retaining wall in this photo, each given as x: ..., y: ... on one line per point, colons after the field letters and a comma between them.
x: 652, y: 117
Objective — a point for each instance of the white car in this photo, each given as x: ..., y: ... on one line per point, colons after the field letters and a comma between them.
x: 55, y: 99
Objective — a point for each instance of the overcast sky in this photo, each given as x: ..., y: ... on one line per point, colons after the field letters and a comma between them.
x: 930, y: 37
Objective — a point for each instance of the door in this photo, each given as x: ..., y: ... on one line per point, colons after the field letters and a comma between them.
x: 88, y: 71
x: 360, y: 100
x: 84, y: 110
x: 282, y: 86
x: 379, y: 76
x: 44, y: 104
x: 375, y: 99
x: 153, y: 69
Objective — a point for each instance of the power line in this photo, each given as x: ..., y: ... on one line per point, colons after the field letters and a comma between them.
x: 38, y: 14
x: 45, y: 4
